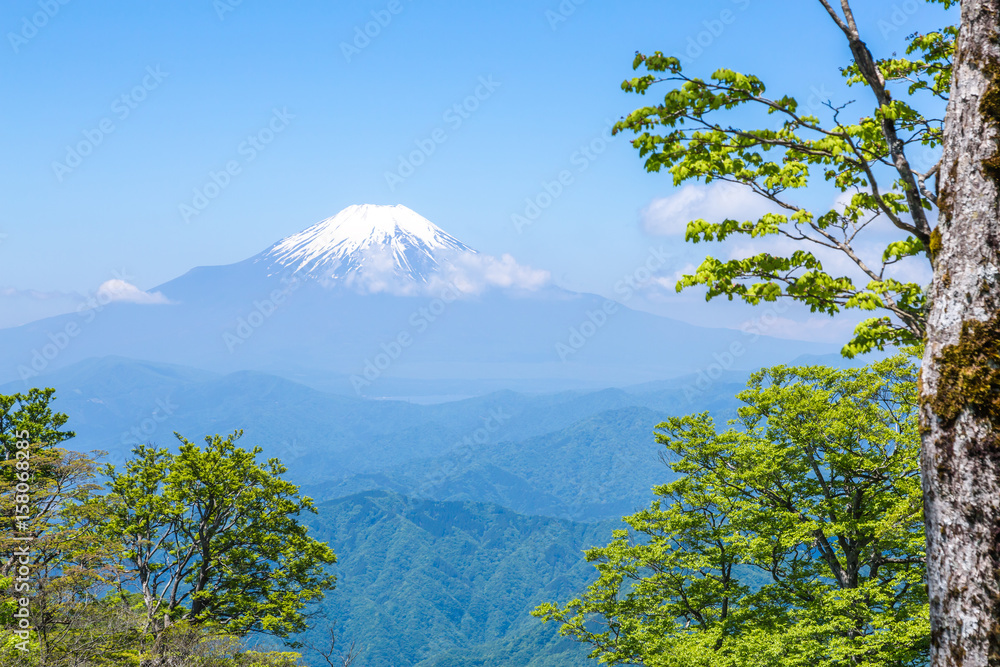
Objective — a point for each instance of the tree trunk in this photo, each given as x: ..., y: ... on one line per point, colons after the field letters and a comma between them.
x: 960, y: 385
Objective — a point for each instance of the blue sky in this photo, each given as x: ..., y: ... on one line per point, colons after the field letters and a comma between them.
x: 200, y: 76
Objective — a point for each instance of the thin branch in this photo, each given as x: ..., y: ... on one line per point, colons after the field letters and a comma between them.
x: 876, y: 82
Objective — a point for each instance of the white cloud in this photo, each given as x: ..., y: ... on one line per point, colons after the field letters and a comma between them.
x: 120, y: 290
x: 669, y: 216
x: 473, y: 273
x: 376, y: 274
x: 821, y: 329
x: 470, y: 273
x: 669, y: 282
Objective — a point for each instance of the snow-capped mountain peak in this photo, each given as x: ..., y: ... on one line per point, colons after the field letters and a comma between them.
x: 391, y: 240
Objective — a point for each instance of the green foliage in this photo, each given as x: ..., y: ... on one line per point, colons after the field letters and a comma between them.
x: 214, y: 536
x: 691, y: 134
x: 110, y: 632
x: 217, y: 502
x: 55, y: 519
x: 793, y: 537
x: 122, y: 646
x: 30, y: 413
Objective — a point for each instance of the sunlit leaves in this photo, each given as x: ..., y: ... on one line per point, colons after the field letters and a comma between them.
x: 692, y: 135
x: 213, y: 536
x: 792, y: 537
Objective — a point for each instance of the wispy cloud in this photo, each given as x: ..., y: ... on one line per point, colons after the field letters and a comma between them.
x: 470, y: 273
x: 669, y: 216
x: 117, y: 290
x: 37, y: 295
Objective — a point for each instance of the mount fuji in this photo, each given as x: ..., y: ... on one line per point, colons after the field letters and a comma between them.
x: 364, y: 249
x: 352, y: 241
x: 378, y: 301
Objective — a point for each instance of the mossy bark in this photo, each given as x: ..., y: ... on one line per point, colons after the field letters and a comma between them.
x: 960, y: 379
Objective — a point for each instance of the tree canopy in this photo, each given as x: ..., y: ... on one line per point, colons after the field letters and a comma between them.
x: 213, y: 536
x: 793, y: 537
x: 727, y: 127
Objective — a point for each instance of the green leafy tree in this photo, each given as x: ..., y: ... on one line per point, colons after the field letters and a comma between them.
x: 48, y: 499
x: 793, y: 537
x: 727, y: 127
x: 31, y: 412
x: 72, y: 562
x: 30, y: 417
x: 213, y: 538
x: 81, y: 612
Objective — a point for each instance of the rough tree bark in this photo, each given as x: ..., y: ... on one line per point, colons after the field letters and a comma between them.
x: 960, y: 386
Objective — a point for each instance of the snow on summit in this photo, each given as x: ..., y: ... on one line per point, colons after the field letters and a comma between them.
x: 387, y: 239
x: 373, y: 248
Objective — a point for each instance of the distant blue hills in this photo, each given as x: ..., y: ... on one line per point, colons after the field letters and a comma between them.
x: 573, y: 454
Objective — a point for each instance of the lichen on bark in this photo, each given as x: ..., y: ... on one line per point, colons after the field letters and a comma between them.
x: 969, y: 373
x: 990, y: 108
x: 934, y: 247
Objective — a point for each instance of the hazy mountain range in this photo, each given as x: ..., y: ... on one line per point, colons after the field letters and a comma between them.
x: 377, y: 300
